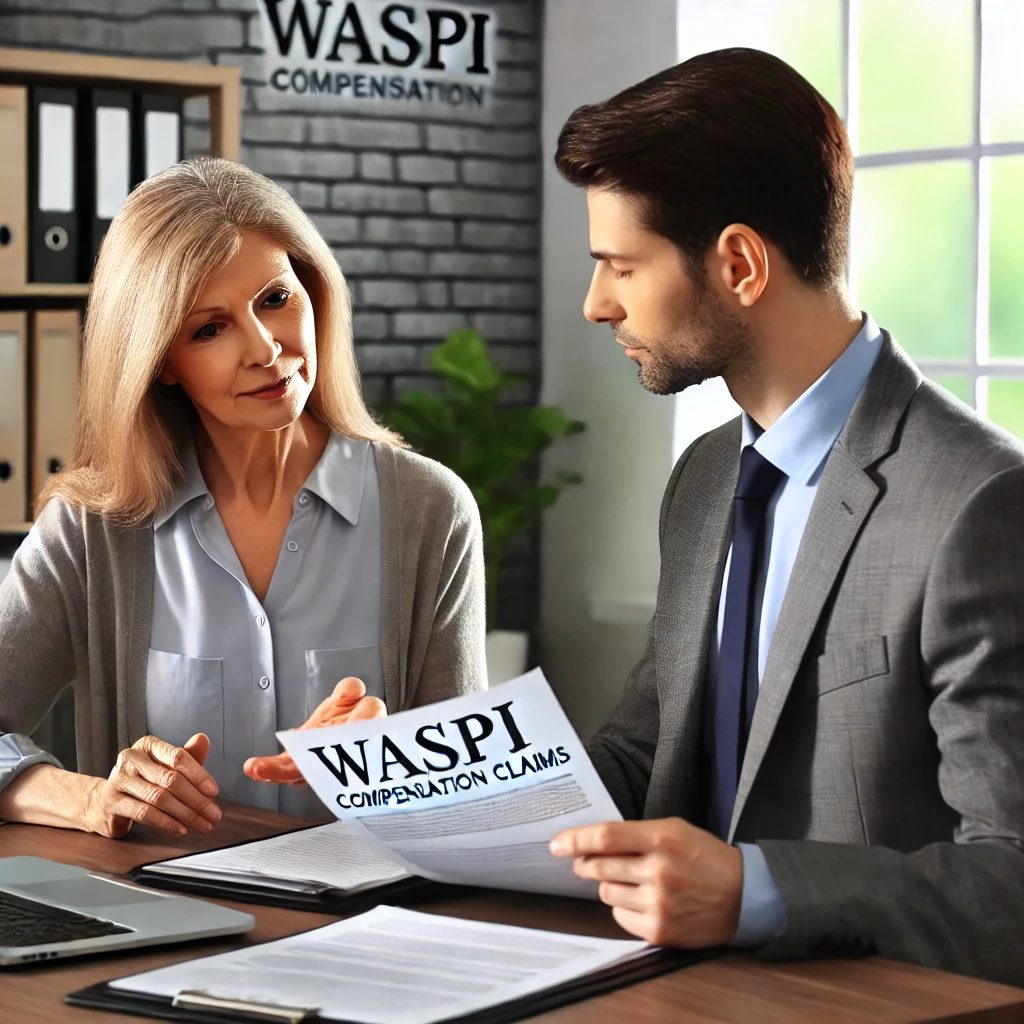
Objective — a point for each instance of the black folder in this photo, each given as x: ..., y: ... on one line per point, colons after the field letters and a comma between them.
x: 658, y: 962
x: 322, y: 900
x: 54, y: 225
x: 157, y: 133
x: 108, y: 164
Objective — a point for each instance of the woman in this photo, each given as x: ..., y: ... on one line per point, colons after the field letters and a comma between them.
x: 233, y: 534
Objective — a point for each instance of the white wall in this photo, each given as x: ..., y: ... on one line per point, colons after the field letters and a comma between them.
x: 600, y: 542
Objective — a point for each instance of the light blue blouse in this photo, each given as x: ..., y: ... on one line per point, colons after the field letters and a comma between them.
x: 224, y: 663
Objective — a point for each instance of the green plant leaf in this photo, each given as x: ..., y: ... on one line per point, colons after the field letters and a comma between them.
x: 464, y: 362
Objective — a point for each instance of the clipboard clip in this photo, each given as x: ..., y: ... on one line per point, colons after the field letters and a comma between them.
x: 196, y: 1000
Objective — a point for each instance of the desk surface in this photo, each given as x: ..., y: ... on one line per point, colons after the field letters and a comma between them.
x: 734, y: 988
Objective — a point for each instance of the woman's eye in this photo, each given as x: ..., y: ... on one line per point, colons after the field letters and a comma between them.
x: 206, y: 332
x: 276, y: 299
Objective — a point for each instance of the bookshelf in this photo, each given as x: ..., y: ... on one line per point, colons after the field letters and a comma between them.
x: 27, y: 67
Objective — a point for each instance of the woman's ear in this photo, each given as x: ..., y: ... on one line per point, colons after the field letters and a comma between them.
x: 165, y: 376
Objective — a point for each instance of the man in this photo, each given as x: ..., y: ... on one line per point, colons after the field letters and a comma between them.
x: 825, y: 734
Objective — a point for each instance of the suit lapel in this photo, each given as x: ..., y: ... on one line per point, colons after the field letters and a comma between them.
x: 694, y: 547
x: 845, y: 497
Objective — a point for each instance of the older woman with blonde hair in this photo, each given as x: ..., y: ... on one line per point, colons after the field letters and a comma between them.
x: 236, y: 546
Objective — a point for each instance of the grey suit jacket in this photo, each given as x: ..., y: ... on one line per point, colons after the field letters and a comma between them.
x: 884, y: 774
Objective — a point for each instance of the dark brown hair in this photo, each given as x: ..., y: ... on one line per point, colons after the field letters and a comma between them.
x: 732, y: 136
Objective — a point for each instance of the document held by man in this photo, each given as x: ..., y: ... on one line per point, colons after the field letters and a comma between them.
x: 468, y: 790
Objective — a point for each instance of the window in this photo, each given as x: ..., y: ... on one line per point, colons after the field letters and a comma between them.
x: 930, y: 94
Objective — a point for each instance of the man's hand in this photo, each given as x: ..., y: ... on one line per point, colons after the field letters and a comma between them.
x: 155, y: 783
x: 348, y: 703
x: 667, y: 881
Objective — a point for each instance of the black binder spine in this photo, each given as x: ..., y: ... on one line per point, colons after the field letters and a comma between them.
x: 157, y: 133
x: 53, y: 211
x: 107, y: 160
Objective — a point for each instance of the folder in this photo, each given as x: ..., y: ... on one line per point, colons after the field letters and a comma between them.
x: 56, y: 360
x: 158, y: 133
x: 13, y: 418
x: 537, y: 977
x: 53, y: 209
x: 105, y: 141
x: 181, y: 875
x: 13, y: 187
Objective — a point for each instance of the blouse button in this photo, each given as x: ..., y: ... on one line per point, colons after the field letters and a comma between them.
x: 264, y: 682
x: 260, y: 620
x: 292, y: 546
x: 303, y: 499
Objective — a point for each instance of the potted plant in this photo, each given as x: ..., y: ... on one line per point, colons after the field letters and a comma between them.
x: 491, y: 445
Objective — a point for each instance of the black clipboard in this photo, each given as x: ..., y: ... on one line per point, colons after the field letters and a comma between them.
x: 658, y: 962
x: 404, y: 892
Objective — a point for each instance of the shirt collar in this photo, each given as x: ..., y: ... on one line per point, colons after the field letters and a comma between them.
x: 337, y: 479
x: 801, y: 438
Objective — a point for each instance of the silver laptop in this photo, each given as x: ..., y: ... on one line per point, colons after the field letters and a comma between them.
x: 50, y: 910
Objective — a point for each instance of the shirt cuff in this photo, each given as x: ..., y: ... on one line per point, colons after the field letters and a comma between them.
x: 18, y: 752
x: 762, y: 909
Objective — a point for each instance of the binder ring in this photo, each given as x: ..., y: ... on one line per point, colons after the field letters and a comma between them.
x: 5, y: 235
x: 56, y: 238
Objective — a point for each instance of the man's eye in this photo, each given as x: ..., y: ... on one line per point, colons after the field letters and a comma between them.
x: 276, y: 299
x: 206, y: 332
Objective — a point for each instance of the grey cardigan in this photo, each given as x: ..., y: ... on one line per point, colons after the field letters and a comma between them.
x: 77, y: 607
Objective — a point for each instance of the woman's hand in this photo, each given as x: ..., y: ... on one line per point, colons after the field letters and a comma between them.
x: 155, y: 783
x: 348, y: 703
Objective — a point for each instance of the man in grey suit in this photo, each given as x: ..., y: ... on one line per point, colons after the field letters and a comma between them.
x: 824, y: 737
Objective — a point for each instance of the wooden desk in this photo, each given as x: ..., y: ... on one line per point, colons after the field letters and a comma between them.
x: 729, y: 990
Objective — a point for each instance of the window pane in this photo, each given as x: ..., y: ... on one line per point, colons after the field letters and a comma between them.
x: 912, y: 250
x: 1002, y: 106
x: 959, y: 384
x: 807, y: 34
x: 1006, y: 274
x: 1006, y: 404
x: 915, y: 73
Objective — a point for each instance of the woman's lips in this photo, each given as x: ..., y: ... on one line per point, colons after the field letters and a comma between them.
x: 270, y: 392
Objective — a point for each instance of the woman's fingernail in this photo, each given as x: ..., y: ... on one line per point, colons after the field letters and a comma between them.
x: 213, y: 812
x: 209, y: 787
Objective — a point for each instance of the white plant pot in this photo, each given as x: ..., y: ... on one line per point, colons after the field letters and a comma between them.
x: 506, y: 655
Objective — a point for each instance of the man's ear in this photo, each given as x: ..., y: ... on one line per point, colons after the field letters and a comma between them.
x: 743, y: 258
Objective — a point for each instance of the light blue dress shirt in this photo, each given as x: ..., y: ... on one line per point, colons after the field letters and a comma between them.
x: 798, y: 443
x: 225, y: 663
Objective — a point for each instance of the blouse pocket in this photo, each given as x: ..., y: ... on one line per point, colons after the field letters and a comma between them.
x: 326, y: 668
x: 184, y: 696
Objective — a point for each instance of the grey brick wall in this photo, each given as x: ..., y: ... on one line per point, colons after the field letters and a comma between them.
x: 434, y: 221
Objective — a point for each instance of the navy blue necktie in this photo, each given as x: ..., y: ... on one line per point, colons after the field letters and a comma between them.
x: 729, y: 721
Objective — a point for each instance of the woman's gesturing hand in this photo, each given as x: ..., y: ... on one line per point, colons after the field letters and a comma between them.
x: 348, y: 703
x: 156, y: 783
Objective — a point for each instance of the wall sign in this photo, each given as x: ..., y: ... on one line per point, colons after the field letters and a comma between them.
x: 366, y: 50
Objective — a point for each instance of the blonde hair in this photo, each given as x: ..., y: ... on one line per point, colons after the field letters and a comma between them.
x: 172, y: 235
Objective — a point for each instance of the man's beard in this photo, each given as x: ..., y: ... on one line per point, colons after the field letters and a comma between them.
x: 708, y: 342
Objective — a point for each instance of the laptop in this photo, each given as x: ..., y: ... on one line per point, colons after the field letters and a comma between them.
x: 50, y: 910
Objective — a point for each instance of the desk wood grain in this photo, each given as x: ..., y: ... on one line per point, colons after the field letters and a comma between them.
x: 733, y: 989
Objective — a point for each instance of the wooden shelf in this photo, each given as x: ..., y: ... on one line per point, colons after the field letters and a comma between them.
x: 15, y: 528
x: 222, y: 84
x: 46, y: 290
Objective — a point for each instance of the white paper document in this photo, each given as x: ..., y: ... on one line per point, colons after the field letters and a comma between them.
x: 335, y: 856
x: 392, y: 966
x: 468, y: 790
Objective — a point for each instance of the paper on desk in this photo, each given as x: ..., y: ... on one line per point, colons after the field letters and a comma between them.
x: 392, y: 966
x: 335, y: 855
x: 468, y: 790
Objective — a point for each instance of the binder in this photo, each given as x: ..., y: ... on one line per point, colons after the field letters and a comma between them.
x: 56, y: 359
x: 105, y: 141
x: 317, y: 899
x: 207, y: 1008
x: 13, y: 418
x: 53, y: 210
x: 13, y: 186
x: 158, y: 133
